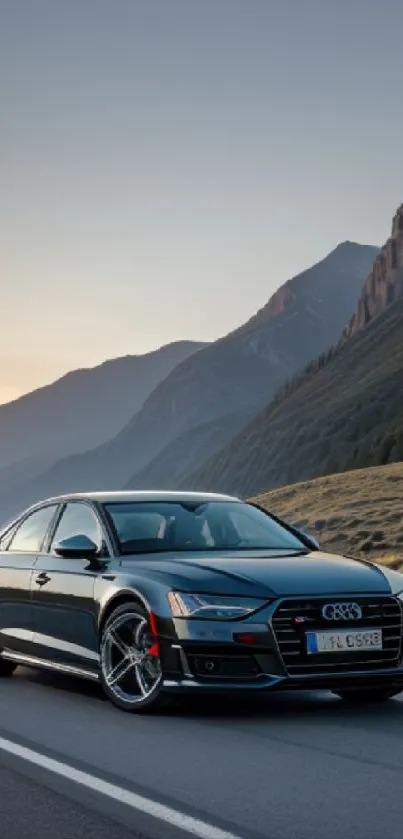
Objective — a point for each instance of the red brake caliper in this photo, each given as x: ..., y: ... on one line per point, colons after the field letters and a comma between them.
x: 154, y: 650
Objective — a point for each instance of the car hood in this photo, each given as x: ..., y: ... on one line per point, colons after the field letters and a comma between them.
x: 265, y: 573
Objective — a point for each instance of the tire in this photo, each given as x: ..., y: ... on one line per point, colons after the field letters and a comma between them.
x: 131, y: 677
x: 364, y: 696
x: 6, y: 667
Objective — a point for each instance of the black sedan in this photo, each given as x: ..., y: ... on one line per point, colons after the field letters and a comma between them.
x: 156, y: 594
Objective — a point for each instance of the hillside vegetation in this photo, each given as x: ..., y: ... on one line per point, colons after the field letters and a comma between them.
x: 197, y: 445
x: 359, y: 512
x: 345, y: 412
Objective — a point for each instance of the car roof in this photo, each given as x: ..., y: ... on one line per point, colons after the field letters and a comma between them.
x: 122, y: 496
x: 118, y: 497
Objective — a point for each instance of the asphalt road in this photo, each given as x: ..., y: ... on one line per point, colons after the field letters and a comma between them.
x: 303, y: 766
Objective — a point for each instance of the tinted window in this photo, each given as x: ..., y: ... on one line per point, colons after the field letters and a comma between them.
x: 78, y: 520
x: 216, y: 525
x: 30, y: 534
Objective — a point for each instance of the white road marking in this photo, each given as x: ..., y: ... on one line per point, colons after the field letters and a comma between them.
x: 200, y: 829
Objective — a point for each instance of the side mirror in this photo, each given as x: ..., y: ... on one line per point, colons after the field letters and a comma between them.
x: 76, y: 547
x: 314, y: 542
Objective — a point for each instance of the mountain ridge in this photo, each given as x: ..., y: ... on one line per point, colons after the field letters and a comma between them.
x: 196, y: 408
x: 363, y: 365
x: 271, y: 334
x: 329, y: 422
x: 237, y: 374
x: 45, y: 422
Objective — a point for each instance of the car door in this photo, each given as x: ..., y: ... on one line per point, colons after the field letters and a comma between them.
x: 65, y: 617
x: 19, y: 549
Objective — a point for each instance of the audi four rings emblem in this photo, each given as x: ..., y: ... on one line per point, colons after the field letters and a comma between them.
x: 342, y: 612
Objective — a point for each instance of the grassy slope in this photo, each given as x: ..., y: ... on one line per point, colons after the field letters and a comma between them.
x: 357, y: 512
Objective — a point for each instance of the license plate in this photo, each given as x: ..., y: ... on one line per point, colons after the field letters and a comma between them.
x: 338, y: 642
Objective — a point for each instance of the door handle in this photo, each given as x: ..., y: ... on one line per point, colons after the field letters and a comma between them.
x: 42, y: 579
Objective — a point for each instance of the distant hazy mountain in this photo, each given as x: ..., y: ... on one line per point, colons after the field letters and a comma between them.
x: 168, y: 468
x: 81, y: 409
x: 344, y: 412
x: 232, y: 377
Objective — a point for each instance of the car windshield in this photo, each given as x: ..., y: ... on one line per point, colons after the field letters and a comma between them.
x: 143, y: 527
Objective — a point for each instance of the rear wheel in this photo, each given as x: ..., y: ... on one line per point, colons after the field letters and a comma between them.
x: 374, y: 695
x: 131, y: 672
x: 6, y: 667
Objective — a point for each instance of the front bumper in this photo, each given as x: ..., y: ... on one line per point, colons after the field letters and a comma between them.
x: 362, y: 680
x: 268, y: 651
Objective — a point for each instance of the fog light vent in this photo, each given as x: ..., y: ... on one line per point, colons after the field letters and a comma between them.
x: 209, y: 666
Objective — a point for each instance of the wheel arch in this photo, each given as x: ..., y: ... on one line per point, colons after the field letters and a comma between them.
x: 119, y: 599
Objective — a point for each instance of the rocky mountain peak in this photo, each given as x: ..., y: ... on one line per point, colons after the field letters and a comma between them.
x: 397, y: 224
x: 342, y: 268
x: 384, y: 283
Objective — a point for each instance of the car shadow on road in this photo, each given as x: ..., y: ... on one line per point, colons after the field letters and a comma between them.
x: 317, y: 708
x: 60, y: 682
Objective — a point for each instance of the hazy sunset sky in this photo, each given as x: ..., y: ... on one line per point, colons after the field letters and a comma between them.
x: 167, y: 164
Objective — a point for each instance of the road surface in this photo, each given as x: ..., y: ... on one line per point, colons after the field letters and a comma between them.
x: 287, y: 766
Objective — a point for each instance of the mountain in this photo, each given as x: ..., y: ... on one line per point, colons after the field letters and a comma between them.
x: 167, y: 469
x: 236, y: 375
x: 81, y: 409
x: 231, y: 381
x: 343, y: 415
x: 384, y: 283
x: 344, y: 411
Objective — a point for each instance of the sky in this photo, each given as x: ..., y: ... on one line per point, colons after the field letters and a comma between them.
x: 165, y: 165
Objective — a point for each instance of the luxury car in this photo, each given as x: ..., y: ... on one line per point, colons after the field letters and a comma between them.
x: 156, y: 594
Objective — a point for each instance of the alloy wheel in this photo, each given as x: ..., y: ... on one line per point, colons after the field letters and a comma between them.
x: 130, y: 663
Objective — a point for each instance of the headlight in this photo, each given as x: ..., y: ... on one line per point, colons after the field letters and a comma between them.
x: 400, y: 596
x: 212, y: 607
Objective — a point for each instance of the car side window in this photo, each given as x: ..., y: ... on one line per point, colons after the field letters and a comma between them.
x: 78, y: 520
x: 29, y: 536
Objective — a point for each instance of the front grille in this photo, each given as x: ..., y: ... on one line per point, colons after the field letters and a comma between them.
x: 377, y: 613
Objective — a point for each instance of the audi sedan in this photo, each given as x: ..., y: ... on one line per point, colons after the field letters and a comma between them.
x: 159, y: 594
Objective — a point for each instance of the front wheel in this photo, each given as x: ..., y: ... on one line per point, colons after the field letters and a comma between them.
x: 361, y: 696
x: 131, y: 672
